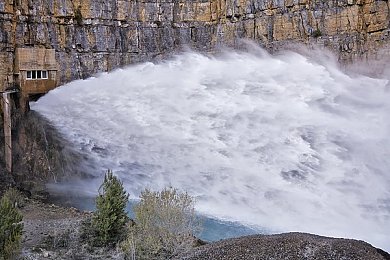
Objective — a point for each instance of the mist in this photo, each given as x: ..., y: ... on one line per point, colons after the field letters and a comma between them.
x: 285, y: 142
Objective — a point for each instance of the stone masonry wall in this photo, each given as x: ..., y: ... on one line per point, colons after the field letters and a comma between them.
x: 92, y: 36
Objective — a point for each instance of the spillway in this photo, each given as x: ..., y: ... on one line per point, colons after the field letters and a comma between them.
x: 284, y: 142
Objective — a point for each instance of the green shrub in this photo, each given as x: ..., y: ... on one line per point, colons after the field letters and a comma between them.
x: 317, y: 33
x: 110, y: 216
x: 10, y: 228
x: 165, y: 225
x: 78, y: 16
x: 15, y: 197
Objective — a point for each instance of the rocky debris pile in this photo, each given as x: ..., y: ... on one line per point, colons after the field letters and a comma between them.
x: 287, y: 246
x: 53, y: 232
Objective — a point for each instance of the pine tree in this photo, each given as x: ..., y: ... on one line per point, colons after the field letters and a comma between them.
x: 10, y: 228
x: 110, y: 217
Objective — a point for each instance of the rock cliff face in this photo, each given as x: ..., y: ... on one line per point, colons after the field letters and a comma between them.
x: 91, y: 36
x: 40, y: 155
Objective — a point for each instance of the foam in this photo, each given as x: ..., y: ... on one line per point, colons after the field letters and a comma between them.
x: 283, y: 142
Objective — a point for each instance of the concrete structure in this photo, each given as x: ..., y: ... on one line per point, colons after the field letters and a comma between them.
x: 35, y: 71
x: 34, y: 74
x: 7, y: 98
x: 6, y: 107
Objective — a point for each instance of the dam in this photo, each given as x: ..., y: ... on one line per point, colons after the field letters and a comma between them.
x: 284, y: 143
x: 259, y: 135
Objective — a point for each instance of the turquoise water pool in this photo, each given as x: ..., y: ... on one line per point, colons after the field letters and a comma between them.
x: 213, y: 229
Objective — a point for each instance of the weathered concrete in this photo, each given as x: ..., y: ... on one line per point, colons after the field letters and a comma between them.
x: 6, y: 107
x: 100, y: 35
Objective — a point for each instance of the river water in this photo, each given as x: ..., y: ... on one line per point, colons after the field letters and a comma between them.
x: 278, y: 143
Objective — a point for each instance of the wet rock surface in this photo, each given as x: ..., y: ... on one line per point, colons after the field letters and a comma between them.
x: 40, y: 155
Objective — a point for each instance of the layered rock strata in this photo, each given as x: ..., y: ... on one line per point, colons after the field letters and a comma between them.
x: 92, y: 36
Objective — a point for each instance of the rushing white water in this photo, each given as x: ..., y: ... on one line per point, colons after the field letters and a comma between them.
x: 281, y: 142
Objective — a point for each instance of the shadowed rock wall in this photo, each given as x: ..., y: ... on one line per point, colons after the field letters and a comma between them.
x: 92, y: 36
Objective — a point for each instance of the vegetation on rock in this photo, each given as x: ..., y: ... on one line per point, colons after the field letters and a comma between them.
x: 78, y: 15
x: 317, y: 33
x: 10, y: 225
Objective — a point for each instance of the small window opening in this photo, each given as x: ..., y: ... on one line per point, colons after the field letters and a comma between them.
x: 37, y: 74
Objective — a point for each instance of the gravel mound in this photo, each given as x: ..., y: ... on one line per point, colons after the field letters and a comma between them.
x: 287, y: 246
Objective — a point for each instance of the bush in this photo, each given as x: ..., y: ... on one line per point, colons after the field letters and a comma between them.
x: 317, y: 33
x: 110, y: 217
x: 15, y: 197
x: 165, y: 225
x: 78, y: 16
x: 10, y: 228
